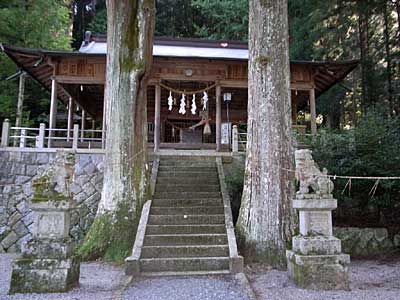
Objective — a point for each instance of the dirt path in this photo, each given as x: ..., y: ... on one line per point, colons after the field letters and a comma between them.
x: 369, y: 280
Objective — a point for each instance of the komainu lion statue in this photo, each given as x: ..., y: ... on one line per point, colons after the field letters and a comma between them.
x: 310, y: 176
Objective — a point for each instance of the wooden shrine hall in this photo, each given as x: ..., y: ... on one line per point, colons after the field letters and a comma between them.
x: 197, y: 89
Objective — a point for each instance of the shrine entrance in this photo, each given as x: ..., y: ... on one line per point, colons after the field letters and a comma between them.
x: 192, y: 115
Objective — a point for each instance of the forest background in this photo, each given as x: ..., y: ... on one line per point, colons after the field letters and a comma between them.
x: 359, y: 117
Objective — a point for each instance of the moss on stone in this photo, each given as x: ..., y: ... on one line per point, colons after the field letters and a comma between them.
x: 44, y: 191
x: 111, y: 237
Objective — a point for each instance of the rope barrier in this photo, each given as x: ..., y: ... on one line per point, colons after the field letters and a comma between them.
x: 188, y: 92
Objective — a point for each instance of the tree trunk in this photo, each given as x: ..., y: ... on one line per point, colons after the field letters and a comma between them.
x: 266, y: 217
x: 125, y: 188
x: 388, y: 57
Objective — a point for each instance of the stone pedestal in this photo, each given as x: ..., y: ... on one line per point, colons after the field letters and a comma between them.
x: 48, y: 263
x: 316, y: 260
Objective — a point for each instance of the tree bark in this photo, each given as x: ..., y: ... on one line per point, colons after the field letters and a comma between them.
x: 388, y: 57
x: 125, y: 188
x: 266, y: 219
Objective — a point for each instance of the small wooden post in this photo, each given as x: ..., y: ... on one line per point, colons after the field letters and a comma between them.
x: 22, y: 139
x: 53, y: 110
x: 103, y: 129
x: 71, y: 107
x: 157, y: 118
x: 75, y: 137
x: 40, y: 137
x: 83, y: 119
x: 235, y: 139
x: 313, y: 112
x: 5, y: 133
x: 93, y: 127
x: 218, y: 117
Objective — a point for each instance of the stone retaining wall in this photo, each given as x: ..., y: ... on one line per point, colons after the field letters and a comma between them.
x: 364, y: 242
x: 17, y: 168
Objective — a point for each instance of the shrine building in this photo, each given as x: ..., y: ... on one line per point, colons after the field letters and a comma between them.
x: 196, y: 94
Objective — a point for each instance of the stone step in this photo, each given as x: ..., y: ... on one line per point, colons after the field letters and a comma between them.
x: 188, y: 210
x: 200, y: 187
x: 186, y: 202
x: 187, y: 163
x: 186, y: 195
x: 185, y: 251
x: 185, y: 229
x: 185, y: 239
x: 185, y: 219
x: 186, y: 273
x: 184, y: 264
x: 187, y: 180
x: 174, y: 158
x: 187, y: 169
x: 187, y: 174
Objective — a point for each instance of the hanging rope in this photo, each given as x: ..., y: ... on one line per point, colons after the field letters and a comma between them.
x: 188, y: 92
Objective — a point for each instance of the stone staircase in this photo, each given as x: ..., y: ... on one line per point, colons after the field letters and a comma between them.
x: 185, y: 231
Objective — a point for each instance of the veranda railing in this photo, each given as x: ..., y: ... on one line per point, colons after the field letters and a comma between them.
x: 42, y: 137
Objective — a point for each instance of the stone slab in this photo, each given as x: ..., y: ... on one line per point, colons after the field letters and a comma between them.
x: 51, y: 224
x: 325, y: 272
x: 315, y: 223
x: 44, y: 275
x: 317, y: 245
x: 315, y: 204
x: 60, y: 249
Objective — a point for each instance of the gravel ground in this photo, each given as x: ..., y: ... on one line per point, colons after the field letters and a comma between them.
x: 186, y: 288
x: 98, y: 281
x: 369, y: 280
x: 101, y: 281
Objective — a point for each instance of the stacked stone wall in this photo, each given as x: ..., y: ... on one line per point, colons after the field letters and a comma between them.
x: 18, y: 168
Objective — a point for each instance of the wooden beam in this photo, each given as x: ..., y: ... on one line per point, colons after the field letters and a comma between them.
x: 157, y: 118
x: 306, y: 86
x: 234, y: 83
x: 79, y: 79
x: 313, y: 112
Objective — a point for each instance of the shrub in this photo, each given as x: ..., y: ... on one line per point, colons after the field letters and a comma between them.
x: 372, y: 148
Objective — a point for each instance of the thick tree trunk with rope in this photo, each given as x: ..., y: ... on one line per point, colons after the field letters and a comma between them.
x: 125, y: 189
x: 266, y: 218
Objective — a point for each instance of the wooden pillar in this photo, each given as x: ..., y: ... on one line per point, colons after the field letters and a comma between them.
x: 103, y: 129
x: 218, y: 117
x: 313, y: 112
x: 294, y: 108
x: 53, y: 110
x: 83, y: 119
x: 157, y: 112
x: 70, y: 121
x: 20, y: 104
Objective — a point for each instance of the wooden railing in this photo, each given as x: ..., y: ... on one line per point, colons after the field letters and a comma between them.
x: 239, y: 138
x: 42, y: 137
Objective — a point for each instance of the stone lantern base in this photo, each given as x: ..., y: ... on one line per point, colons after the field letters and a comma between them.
x: 319, y: 272
x: 45, y: 267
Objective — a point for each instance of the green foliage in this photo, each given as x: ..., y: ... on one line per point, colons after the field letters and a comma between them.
x: 224, y: 19
x: 35, y: 24
x: 370, y: 149
x: 99, y: 22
